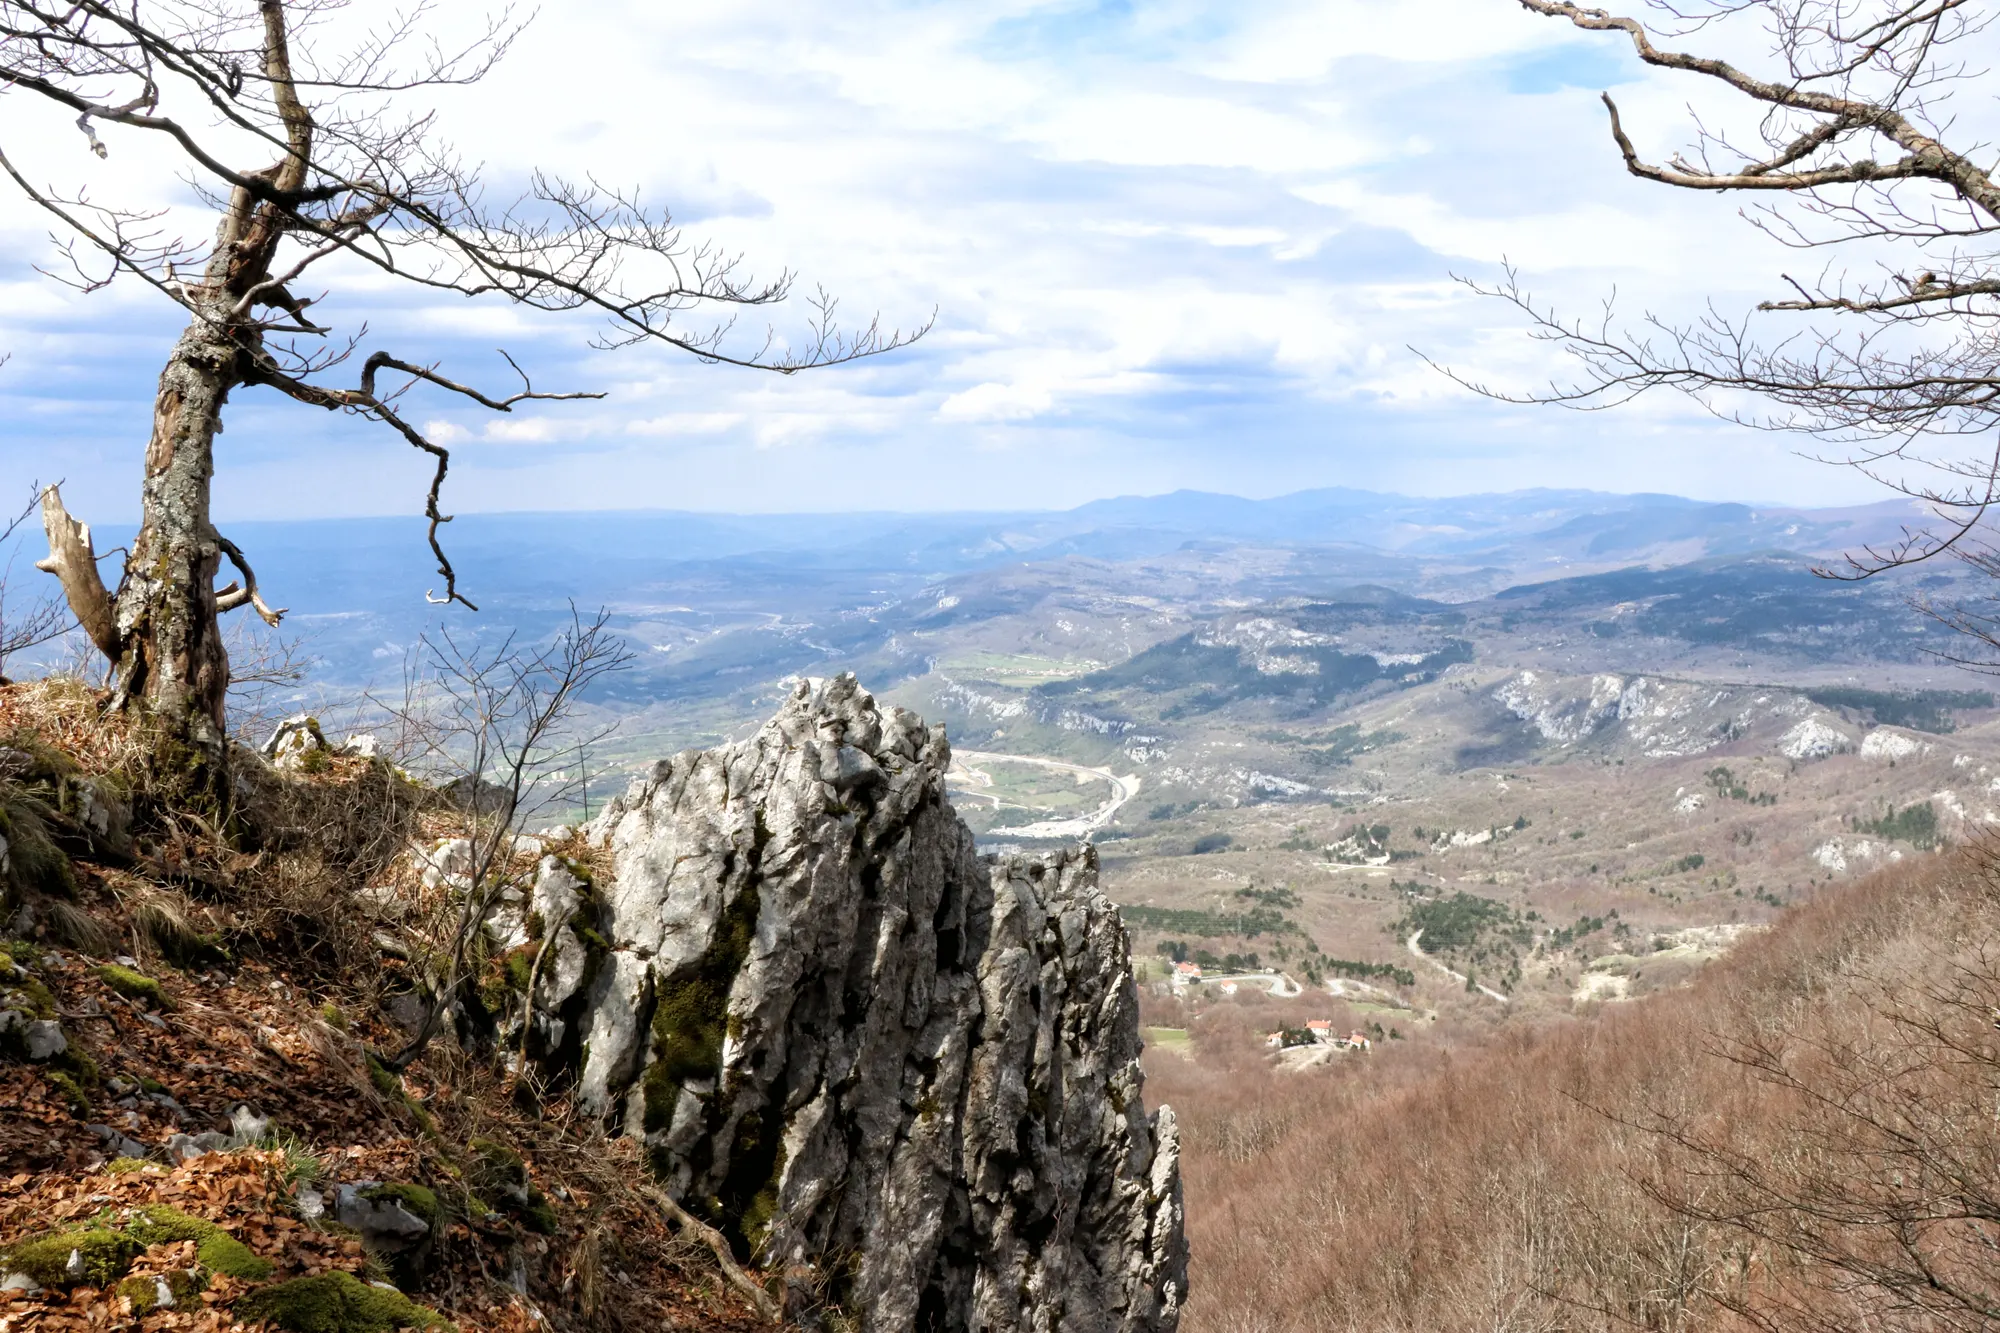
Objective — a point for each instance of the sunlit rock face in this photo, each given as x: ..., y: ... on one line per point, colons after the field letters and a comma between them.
x: 903, y: 1075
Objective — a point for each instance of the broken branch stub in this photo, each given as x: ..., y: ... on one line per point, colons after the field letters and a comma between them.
x: 73, y: 561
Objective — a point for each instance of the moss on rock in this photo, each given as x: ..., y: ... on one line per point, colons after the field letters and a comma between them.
x: 538, y: 1214
x: 415, y: 1199
x: 102, y: 1256
x: 500, y: 1171
x: 691, y: 1016
x: 215, y: 1249
x: 143, y: 1291
x: 133, y: 985
x: 335, y: 1303
x: 66, y: 1087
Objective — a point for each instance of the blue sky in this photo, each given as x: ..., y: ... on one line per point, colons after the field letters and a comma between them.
x: 1182, y: 244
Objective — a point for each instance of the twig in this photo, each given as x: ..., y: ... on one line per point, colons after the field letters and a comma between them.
x: 719, y: 1247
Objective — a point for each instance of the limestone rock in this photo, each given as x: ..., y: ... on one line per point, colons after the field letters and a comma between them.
x: 44, y: 1039
x: 295, y: 738
x: 397, y: 1224
x: 894, y: 1069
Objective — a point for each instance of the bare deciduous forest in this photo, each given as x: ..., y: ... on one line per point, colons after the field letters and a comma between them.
x: 1803, y: 1140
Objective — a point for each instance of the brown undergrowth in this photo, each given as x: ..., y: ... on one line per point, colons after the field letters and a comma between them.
x: 254, y: 972
x: 1803, y: 1139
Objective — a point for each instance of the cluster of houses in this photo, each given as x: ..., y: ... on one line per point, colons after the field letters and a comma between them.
x: 1189, y: 974
x: 1322, y: 1033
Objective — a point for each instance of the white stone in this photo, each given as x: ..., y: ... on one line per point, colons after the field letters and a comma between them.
x: 295, y: 738
x: 1883, y: 743
x: 1813, y: 739
x: 45, y: 1039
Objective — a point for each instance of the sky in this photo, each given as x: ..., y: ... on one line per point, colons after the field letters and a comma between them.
x: 1180, y: 244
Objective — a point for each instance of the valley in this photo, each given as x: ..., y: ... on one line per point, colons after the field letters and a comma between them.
x: 1558, y: 736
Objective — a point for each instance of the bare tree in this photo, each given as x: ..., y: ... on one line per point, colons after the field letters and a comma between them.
x: 1895, y: 371
x: 499, y: 726
x: 344, y: 174
x: 1860, y: 1173
x: 41, y: 620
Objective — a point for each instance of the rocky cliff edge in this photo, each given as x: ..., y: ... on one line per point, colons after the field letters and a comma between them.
x: 900, y: 1074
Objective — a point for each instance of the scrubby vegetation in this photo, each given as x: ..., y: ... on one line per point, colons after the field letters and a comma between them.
x: 1919, y: 710
x: 1210, y: 923
x: 275, y: 952
x: 1915, y: 824
x: 1801, y: 1140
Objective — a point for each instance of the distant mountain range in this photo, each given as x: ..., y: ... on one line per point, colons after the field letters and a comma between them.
x: 724, y: 603
x: 601, y: 554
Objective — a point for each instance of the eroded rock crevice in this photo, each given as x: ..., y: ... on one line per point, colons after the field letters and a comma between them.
x: 903, y: 1075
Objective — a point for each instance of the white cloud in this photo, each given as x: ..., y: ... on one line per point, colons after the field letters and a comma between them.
x: 686, y: 423
x: 1188, y: 245
x: 996, y: 402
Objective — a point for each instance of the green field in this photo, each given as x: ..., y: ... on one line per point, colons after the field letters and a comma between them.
x: 1019, y: 670
x: 1016, y: 794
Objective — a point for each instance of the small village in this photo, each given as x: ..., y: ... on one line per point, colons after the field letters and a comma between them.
x: 1316, y: 1032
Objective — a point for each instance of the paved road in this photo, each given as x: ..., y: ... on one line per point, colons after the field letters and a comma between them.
x: 1080, y: 826
x: 1281, y: 986
x: 1459, y: 977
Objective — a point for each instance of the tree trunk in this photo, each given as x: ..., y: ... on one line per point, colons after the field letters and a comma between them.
x: 172, y: 659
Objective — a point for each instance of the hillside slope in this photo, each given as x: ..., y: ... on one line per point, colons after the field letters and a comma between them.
x: 769, y: 1042
x: 1800, y: 1139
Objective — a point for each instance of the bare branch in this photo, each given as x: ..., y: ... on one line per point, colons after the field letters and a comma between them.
x: 73, y: 560
x: 231, y: 597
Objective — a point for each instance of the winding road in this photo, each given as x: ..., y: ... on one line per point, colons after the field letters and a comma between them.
x: 1278, y: 984
x: 1080, y: 826
x: 1459, y: 977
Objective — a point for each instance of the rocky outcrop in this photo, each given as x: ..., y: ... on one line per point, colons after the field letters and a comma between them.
x: 902, y: 1075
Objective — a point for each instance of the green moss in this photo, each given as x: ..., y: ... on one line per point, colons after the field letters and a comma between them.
x: 390, y: 1085
x: 691, y: 1015
x: 66, y: 1087
x: 214, y: 1248
x: 499, y: 1170
x: 133, y: 985
x: 538, y: 1214
x: 749, y: 1197
x: 414, y: 1198
x: 79, y: 1066
x: 334, y: 1019
x: 384, y: 1078
x: 315, y: 761
x: 521, y: 966
x: 39, y: 996
x: 496, y: 1165
x: 150, y: 1084
x: 46, y: 762
x: 144, y: 1291
x: 335, y: 1303
x: 105, y: 1256
x: 119, y: 1166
